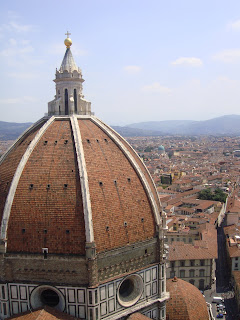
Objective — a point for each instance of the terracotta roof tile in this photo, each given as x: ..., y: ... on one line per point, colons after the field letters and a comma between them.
x: 46, y: 313
x: 137, y: 316
x: 186, y: 301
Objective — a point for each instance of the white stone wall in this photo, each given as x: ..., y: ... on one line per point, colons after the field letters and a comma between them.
x: 97, y: 303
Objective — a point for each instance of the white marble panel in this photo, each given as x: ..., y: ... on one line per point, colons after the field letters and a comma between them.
x: 154, y: 314
x: 154, y: 287
x: 110, y: 290
x: 14, y: 293
x: 24, y: 306
x: 71, y: 295
x: 148, y: 275
x: 154, y: 274
x: 111, y: 305
x: 103, y: 308
x: 102, y: 293
x: 148, y: 290
x: 81, y: 312
x: 23, y: 293
x: 81, y: 296
x: 15, y: 307
x: 72, y: 310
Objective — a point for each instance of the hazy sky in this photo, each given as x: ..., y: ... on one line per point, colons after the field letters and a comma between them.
x: 141, y: 60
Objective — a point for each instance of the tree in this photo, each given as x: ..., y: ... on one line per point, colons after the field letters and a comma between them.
x: 217, y: 195
x: 205, y: 194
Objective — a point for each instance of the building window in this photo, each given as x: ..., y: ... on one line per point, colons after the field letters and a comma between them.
x: 182, y: 263
x: 75, y: 100
x: 201, y: 284
x: 202, y: 262
x: 191, y: 273
x: 184, y: 239
x: 172, y: 264
x: 236, y: 265
x: 172, y: 274
x: 190, y: 240
x: 66, y: 101
x: 192, y: 263
x: 236, y: 258
x: 166, y: 239
x: 191, y: 281
x: 182, y: 273
x: 201, y: 273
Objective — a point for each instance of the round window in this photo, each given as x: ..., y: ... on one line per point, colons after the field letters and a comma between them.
x: 47, y: 295
x: 50, y: 298
x: 130, y: 290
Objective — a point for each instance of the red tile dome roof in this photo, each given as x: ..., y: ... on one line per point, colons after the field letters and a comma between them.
x: 186, y: 301
x: 71, y: 180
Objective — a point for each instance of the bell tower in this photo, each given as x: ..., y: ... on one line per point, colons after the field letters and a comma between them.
x: 69, y: 98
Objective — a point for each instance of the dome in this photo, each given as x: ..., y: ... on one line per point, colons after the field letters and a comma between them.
x: 186, y: 301
x: 74, y: 178
x: 82, y: 228
x: 161, y: 148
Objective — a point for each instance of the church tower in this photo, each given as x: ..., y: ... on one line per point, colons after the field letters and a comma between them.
x: 82, y: 227
x: 69, y: 98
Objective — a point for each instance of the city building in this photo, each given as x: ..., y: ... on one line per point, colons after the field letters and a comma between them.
x: 232, y: 234
x: 192, y: 263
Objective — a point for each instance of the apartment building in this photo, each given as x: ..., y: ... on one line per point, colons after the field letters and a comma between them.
x: 192, y: 263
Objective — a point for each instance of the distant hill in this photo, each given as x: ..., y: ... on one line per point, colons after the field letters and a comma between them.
x: 163, y: 126
x: 11, y: 130
x: 225, y: 125
x: 136, y: 132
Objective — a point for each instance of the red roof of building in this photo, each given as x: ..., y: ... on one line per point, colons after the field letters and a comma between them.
x: 46, y: 313
x: 186, y: 301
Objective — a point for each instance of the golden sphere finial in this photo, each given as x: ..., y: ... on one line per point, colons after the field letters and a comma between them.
x: 68, y: 41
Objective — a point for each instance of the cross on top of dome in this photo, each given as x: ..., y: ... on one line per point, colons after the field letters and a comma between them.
x: 68, y: 41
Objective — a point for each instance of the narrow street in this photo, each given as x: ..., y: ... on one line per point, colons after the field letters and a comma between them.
x: 222, y: 287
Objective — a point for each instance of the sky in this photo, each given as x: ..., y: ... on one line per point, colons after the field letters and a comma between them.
x: 141, y: 60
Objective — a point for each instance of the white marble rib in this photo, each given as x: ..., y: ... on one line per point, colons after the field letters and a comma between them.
x: 83, y: 179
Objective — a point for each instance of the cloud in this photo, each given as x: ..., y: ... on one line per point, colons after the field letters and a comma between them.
x: 16, y: 49
x: 13, y: 26
x: 235, y: 25
x: 22, y: 75
x: 190, y: 61
x: 229, y: 55
x: 132, y: 69
x: 16, y: 27
x: 25, y: 99
x: 156, y: 87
